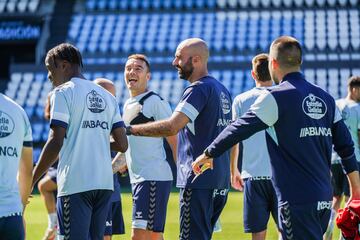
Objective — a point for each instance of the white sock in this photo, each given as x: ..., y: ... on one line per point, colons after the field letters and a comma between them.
x: 52, y: 220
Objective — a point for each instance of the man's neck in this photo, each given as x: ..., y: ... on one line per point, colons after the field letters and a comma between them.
x: 137, y: 93
x: 197, y: 75
x: 263, y: 84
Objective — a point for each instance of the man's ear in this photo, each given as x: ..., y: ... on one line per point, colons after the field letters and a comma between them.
x: 253, y: 75
x: 196, y: 59
x: 148, y: 76
x: 274, y: 63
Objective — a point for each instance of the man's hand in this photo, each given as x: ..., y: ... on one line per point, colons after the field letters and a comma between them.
x: 119, y: 163
x: 236, y: 180
x: 200, y: 161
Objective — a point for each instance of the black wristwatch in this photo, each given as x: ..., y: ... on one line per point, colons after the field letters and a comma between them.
x: 207, y: 154
x: 128, y: 130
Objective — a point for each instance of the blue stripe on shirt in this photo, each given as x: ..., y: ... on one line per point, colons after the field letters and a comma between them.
x: 118, y: 125
x: 58, y: 123
x: 27, y: 143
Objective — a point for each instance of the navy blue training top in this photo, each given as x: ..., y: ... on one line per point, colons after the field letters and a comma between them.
x: 207, y: 103
x: 302, y: 124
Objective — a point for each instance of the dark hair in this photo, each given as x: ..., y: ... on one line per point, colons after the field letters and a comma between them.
x: 354, y: 81
x: 67, y: 52
x: 141, y: 57
x: 260, y: 64
x: 287, y: 51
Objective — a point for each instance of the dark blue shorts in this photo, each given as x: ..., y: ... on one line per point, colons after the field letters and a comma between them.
x: 52, y: 173
x: 81, y: 216
x: 115, y: 221
x: 339, y: 180
x: 304, y: 222
x: 199, y: 211
x: 12, y: 228
x: 150, y: 199
x: 259, y: 201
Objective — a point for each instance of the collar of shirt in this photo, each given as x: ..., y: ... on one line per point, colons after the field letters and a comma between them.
x: 293, y: 76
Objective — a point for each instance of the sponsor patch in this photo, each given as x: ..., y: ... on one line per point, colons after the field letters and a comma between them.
x: 95, y: 102
x: 7, y: 125
x: 314, y: 107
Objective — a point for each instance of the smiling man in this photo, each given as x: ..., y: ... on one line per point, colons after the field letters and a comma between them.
x: 203, y: 112
x: 150, y: 173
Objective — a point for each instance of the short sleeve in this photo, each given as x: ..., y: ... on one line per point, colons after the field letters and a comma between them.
x: 266, y: 108
x: 337, y: 115
x: 192, y: 102
x: 28, y: 140
x: 117, y: 120
x: 162, y: 109
x: 59, y: 111
x: 236, y: 109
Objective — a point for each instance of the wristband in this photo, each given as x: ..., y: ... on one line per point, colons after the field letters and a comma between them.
x: 128, y: 130
x: 207, y: 154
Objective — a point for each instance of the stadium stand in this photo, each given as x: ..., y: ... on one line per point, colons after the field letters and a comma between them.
x: 107, y: 31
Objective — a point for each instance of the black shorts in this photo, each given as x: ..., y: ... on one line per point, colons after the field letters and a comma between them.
x: 339, y: 180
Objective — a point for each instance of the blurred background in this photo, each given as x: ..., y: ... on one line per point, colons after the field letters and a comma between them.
x: 107, y: 31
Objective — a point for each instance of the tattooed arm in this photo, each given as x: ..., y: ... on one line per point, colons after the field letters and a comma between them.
x: 163, y: 128
x: 119, y: 163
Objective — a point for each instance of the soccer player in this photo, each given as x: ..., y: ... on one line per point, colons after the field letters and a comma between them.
x: 302, y: 123
x: 47, y: 187
x: 15, y: 166
x: 114, y: 224
x: 83, y: 115
x: 203, y: 112
x: 259, y: 194
x: 350, y: 112
x: 149, y: 171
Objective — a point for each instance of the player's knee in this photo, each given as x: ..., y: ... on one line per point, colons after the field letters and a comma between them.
x: 41, y: 186
x: 156, y: 236
x: 139, y: 234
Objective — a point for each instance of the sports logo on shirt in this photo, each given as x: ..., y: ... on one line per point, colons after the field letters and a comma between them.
x: 6, y: 125
x: 95, y: 102
x: 225, y: 103
x: 314, y: 106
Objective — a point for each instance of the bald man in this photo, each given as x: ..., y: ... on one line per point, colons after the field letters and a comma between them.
x: 114, y: 222
x: 203, y: 112
x: 302, y: 123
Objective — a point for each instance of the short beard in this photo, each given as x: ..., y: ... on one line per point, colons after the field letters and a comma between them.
x: 187, y: 70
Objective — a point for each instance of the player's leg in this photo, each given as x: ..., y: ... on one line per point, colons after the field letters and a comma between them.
x: 150, y: 200
x: 339, y: 182
x: 159, y: 196
x: 197, y: 213
x: 115, y: 221
x: 219, y: 201
x: 74, y: 216
x: 100, y: 203
x: 256, y: 209
x: 47, y: 187
x: 304, y: 222
x: 12, y: 227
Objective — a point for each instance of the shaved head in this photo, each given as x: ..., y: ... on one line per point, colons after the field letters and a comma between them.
x: 107, y: 84
x: 287, y: 51
x: 195, y: 47
x: 191, y: 58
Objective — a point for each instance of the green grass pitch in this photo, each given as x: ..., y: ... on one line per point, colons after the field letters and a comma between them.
x: 231, y: 219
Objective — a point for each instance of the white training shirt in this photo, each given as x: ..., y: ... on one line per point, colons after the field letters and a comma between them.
x: 146, y: 157
x: 89, y: 113
x: 255, y: 159
x: 15, y: 132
